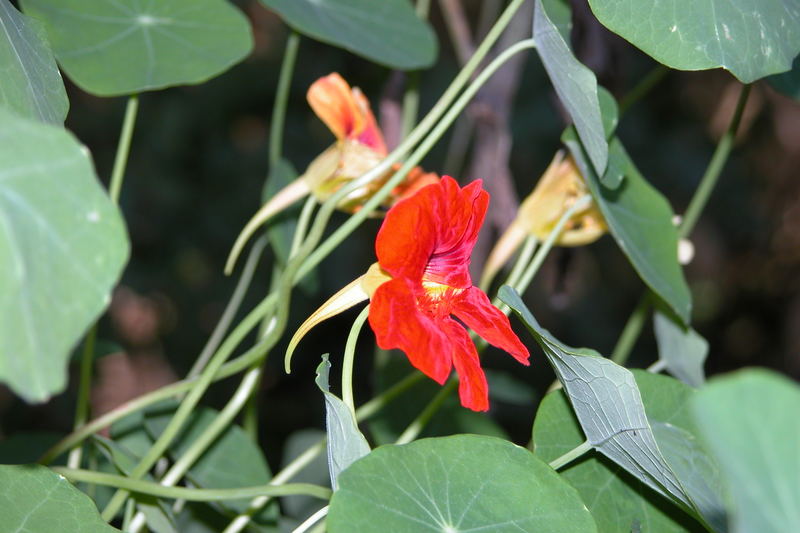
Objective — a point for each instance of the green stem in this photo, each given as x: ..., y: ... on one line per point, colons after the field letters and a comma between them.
x: 84, y: 386
x: 631, y: 331
x: 712, y: 173
x: 657, y: 366
x: 642, y: 88
x: 130, y: 508
x: 435, y: 134
x: 349, y: 358
x: 231, y: 309
x: 282, y: 98
x: 419, y: 423
x: 193, y: 495
x: 522, y: 261
x: 410, y: 103
x: 303, y: 222
x: 123, y: 148
x: 571, y: 455
x: 312, y: 520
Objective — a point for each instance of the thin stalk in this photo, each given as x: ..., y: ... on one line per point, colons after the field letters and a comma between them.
x: 438, y: 130
x: 282, y: 98
x: 127, y: 516
x: 571, y: 455
x: 312, y: 520
x: 522, y: 261
x: 231, y: 308
x: 657, y: 366
x: 84, y: 386
x: 418, y: 424
x: 123, y: 148
x: 631, y: 331
x: 302, y: 225
x: 410, y: 103
x: 207, y: 437
x: 642, y: 88
x: 349, y: 358
x: 193, y: 495
x: 712, y: 173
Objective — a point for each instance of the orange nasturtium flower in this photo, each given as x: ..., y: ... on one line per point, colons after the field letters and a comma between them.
x: 359, y: 147
x: 422, y: 280
x: 557, y: 190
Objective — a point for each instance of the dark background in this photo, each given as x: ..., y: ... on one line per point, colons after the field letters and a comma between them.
x: 198, y: 165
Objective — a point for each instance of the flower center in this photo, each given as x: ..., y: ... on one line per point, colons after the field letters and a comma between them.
x: 437, y: 298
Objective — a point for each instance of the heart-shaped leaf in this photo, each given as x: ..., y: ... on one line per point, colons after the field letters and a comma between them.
x: 62, y: 248
x: 115, y: 47
x: 450, y: 484
x: 750, y: 38
x: 32, y: 84
x: 387, y: 32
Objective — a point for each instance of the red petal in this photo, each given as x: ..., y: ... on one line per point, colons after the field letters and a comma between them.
x: 398, y: 323
x: 476, y: 311
x: 472, y: 387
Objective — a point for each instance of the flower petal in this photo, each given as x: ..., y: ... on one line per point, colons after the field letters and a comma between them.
x: 476, y: 311
x: 472, y: 387
x: 398, y: 323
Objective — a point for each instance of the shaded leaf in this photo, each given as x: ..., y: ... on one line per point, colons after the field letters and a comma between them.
x: 640, y: 219
x: 28, y: 447
x: 346, y: 444
x: 574, y: 83
x: 54, y: 217
x: 32, y: 84
x: 459, y: 483
x: 750, y: 421
x: 34, y: 499
x: 387, y: 32
x: 116, y: 47
x: 682, y: 349
x: 789, y: 82
x: 750, y: 38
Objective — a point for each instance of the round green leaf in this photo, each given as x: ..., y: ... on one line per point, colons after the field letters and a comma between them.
x: 34, y: 499
x: 386, y: 31
x: 32, y: 85
x: 115, y: 47
x: 751, y: 422
x: 62, y: 248
x: 452, y: 484
x: 750, y: 38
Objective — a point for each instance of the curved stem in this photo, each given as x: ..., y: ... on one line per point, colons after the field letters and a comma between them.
x: 123, y: 148
x: 712, y: 173
x: 193, y: 495
x: 631, y: 331
x: 571, y: 455
x: 415, y: 428
x: 282, y: 97
x: 349, y: 357
x: 231, y: 308
x: 312, y: 520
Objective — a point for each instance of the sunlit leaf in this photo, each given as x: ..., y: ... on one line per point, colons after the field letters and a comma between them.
x: 115, y: 47
x: 346, y: 444
x: 450, y: 484
x: 640, y: 219
x: 62, y: 248
x: 750, y: 38
x: 34, y: 499
x: 682, y: 349
x: 387, y: 32
x: 32, y: 84
x: 574, y: 83
x: 751, y: 422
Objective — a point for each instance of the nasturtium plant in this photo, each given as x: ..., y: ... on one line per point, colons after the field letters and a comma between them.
x: 32, y: 84
x: 343, y: 158
x: 117, y: 47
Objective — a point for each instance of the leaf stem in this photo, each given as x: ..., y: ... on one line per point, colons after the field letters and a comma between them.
x: 282, y: 98
x: 632, y: 330
x: 418, y: 424
x: 312, y: 520
x: 642, y: 88
x: 84, y: 385
x: 349, y: 358
x: 194, y: 495
x: 123, y: 148
x: 578, y: 451
x: 712, y: 173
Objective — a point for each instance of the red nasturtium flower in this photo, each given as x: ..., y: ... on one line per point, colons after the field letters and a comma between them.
x: 425, y: 244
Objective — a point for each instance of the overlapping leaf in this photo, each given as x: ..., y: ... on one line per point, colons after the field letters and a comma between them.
x: 115, y: 47
x: 459, y: 483
x: 32, y: 84
x: 387, y: 32
x: 750, y: 38
x: 682, y: 349
x: 62, y: 248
